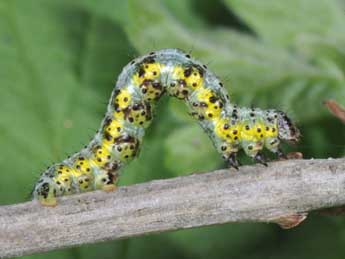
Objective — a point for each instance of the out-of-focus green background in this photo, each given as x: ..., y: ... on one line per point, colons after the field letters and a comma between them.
x: 59, y: 60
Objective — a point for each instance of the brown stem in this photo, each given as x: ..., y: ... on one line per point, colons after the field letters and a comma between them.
x: 283, y: 193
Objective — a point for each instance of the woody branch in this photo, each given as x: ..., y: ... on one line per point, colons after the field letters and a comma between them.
x: 283, y: 193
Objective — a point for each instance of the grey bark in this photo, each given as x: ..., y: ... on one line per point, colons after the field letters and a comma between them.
x: 282, y: 193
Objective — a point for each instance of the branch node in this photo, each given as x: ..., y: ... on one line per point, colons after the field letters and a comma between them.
x: 290, y: 221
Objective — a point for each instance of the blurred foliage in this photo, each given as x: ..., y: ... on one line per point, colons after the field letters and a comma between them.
x: 59, y: 60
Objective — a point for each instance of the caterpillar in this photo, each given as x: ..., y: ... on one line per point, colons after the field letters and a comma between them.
x: 130, y: 111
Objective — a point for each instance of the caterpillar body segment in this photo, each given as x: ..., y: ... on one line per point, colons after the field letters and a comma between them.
x: 130, y: 111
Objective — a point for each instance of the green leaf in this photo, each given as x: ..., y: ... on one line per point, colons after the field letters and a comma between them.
x: 222, y: 241
x: 260, y: 73
x: 153, y: 247
x: 327, y: 52
x: 66, y: 254
x: 315, y: 29
x: 52, y: 87
x: 283, y: 22
x: 104, y: 250
x: 301, y: 242
x: 115, y: 10
x: 188, y: 149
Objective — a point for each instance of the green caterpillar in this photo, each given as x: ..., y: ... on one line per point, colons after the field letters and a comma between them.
x: 130, y: 111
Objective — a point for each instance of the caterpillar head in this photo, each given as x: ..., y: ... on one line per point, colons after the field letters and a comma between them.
x: 287, y: 130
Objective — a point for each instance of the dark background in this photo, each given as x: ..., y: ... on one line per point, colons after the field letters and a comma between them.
x: 59, y: 60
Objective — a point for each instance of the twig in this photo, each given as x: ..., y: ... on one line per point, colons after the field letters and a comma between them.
x: 337, y: 110
x: 282, y: 193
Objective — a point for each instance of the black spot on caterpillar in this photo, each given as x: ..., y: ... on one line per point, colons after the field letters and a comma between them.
x: 130, y: 111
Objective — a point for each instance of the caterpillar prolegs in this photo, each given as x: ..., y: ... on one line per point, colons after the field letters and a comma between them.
x: 130, y: 111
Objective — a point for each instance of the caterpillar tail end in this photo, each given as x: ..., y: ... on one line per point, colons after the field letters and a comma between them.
x: 45, y: 193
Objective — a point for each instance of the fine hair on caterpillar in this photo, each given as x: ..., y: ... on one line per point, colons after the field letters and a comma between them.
x: 130, y: 111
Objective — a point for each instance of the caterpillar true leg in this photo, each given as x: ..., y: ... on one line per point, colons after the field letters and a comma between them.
x: 130, y: 111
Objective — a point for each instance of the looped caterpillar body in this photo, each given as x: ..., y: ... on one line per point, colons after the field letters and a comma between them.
x: 130, y: 111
